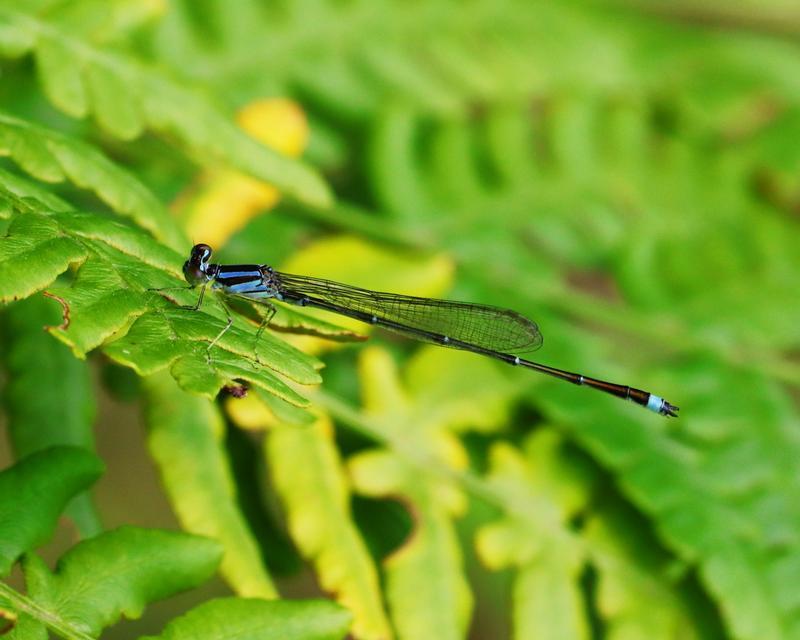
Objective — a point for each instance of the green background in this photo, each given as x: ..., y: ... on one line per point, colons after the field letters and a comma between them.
x: 627, y: 174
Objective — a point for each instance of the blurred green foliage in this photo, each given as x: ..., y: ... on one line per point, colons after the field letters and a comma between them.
x: 625, y: 172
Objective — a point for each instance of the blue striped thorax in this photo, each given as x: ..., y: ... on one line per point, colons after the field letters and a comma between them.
x: 250, y: 280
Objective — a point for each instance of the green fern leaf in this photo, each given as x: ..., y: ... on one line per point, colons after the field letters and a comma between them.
x: 53, y: 157
x: 632, y: 575
x: 33, y: 255
x: 395, y: 172
x: 34, y: 492
x: 126, y: 97
x: 101, y: 21
x: 693, y: 499
x: 26, y: 188
x: 185, y: 438
x: 320, y: 522
x: 110, y: 291
x: 259, y: 620
x: 118, y: 573
x: 401, y: 75
x: 27, y: 628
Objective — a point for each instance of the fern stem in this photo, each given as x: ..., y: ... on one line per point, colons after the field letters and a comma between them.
x: 778, y: 20
x: 480, y: 488
x: 475, y: 485
x: 24, y: 604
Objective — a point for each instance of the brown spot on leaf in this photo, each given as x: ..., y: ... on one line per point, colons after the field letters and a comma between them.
x: 64, y: 311
x: 8, y: 620
x: 238, y: 390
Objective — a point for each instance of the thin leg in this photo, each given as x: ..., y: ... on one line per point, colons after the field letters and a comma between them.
x: 160, y: 289
x: 224, y: 329
x: 271, y: 311
x: 188, y: 286
x: 196, y: 305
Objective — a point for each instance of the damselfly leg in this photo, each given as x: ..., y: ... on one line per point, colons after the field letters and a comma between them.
x: 265, y: 312
x: 162, y: 289
x: 224, y: 329
x: 196, y: 306
x: 187, y: 307
x: 265, y: 320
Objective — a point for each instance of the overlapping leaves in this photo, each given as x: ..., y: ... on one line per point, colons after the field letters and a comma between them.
x: 110, y: 294
x: 185, y: 438
x: 126, y: 98
x: 118, y: 573
x: 59, y: 380
x: 416, y: 417
x: 53, y: 157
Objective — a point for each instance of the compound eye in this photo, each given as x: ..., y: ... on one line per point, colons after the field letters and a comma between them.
x: 193, y: 273
x: 201, y: 252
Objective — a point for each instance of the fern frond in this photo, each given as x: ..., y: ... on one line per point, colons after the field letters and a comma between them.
x: 540, y: 493
x: 53, y: 157
x: 117, y: 573
x: 47, y: 479
x: 538, y: 543
x: 258, y: 620
x: 111, y: 295
x: 321, y: 523
x: 711, y: 502
x: 415, y: 416
x: 185, y: 438
x: 126, y: 97
x: 60, y: 380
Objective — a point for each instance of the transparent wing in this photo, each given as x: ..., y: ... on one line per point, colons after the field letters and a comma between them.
x: 480, y: 325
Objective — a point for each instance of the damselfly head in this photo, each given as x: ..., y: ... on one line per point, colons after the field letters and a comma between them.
x: 195, y: 268
x: 201, y: 253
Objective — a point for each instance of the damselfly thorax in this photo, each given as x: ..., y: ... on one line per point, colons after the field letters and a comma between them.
x: 252, y: 281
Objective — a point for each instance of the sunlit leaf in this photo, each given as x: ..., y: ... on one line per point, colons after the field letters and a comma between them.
x: 367, y: 266
x: 260, y: 620
x: 537, y: 541
x: 320, y: 520
x: 64, y: 63
x: 185, y: 436
x: 111, y: 290
x: 224, y: 201
x: 428, y: 566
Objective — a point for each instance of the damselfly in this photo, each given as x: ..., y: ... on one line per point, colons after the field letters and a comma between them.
x: 482, y: 329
